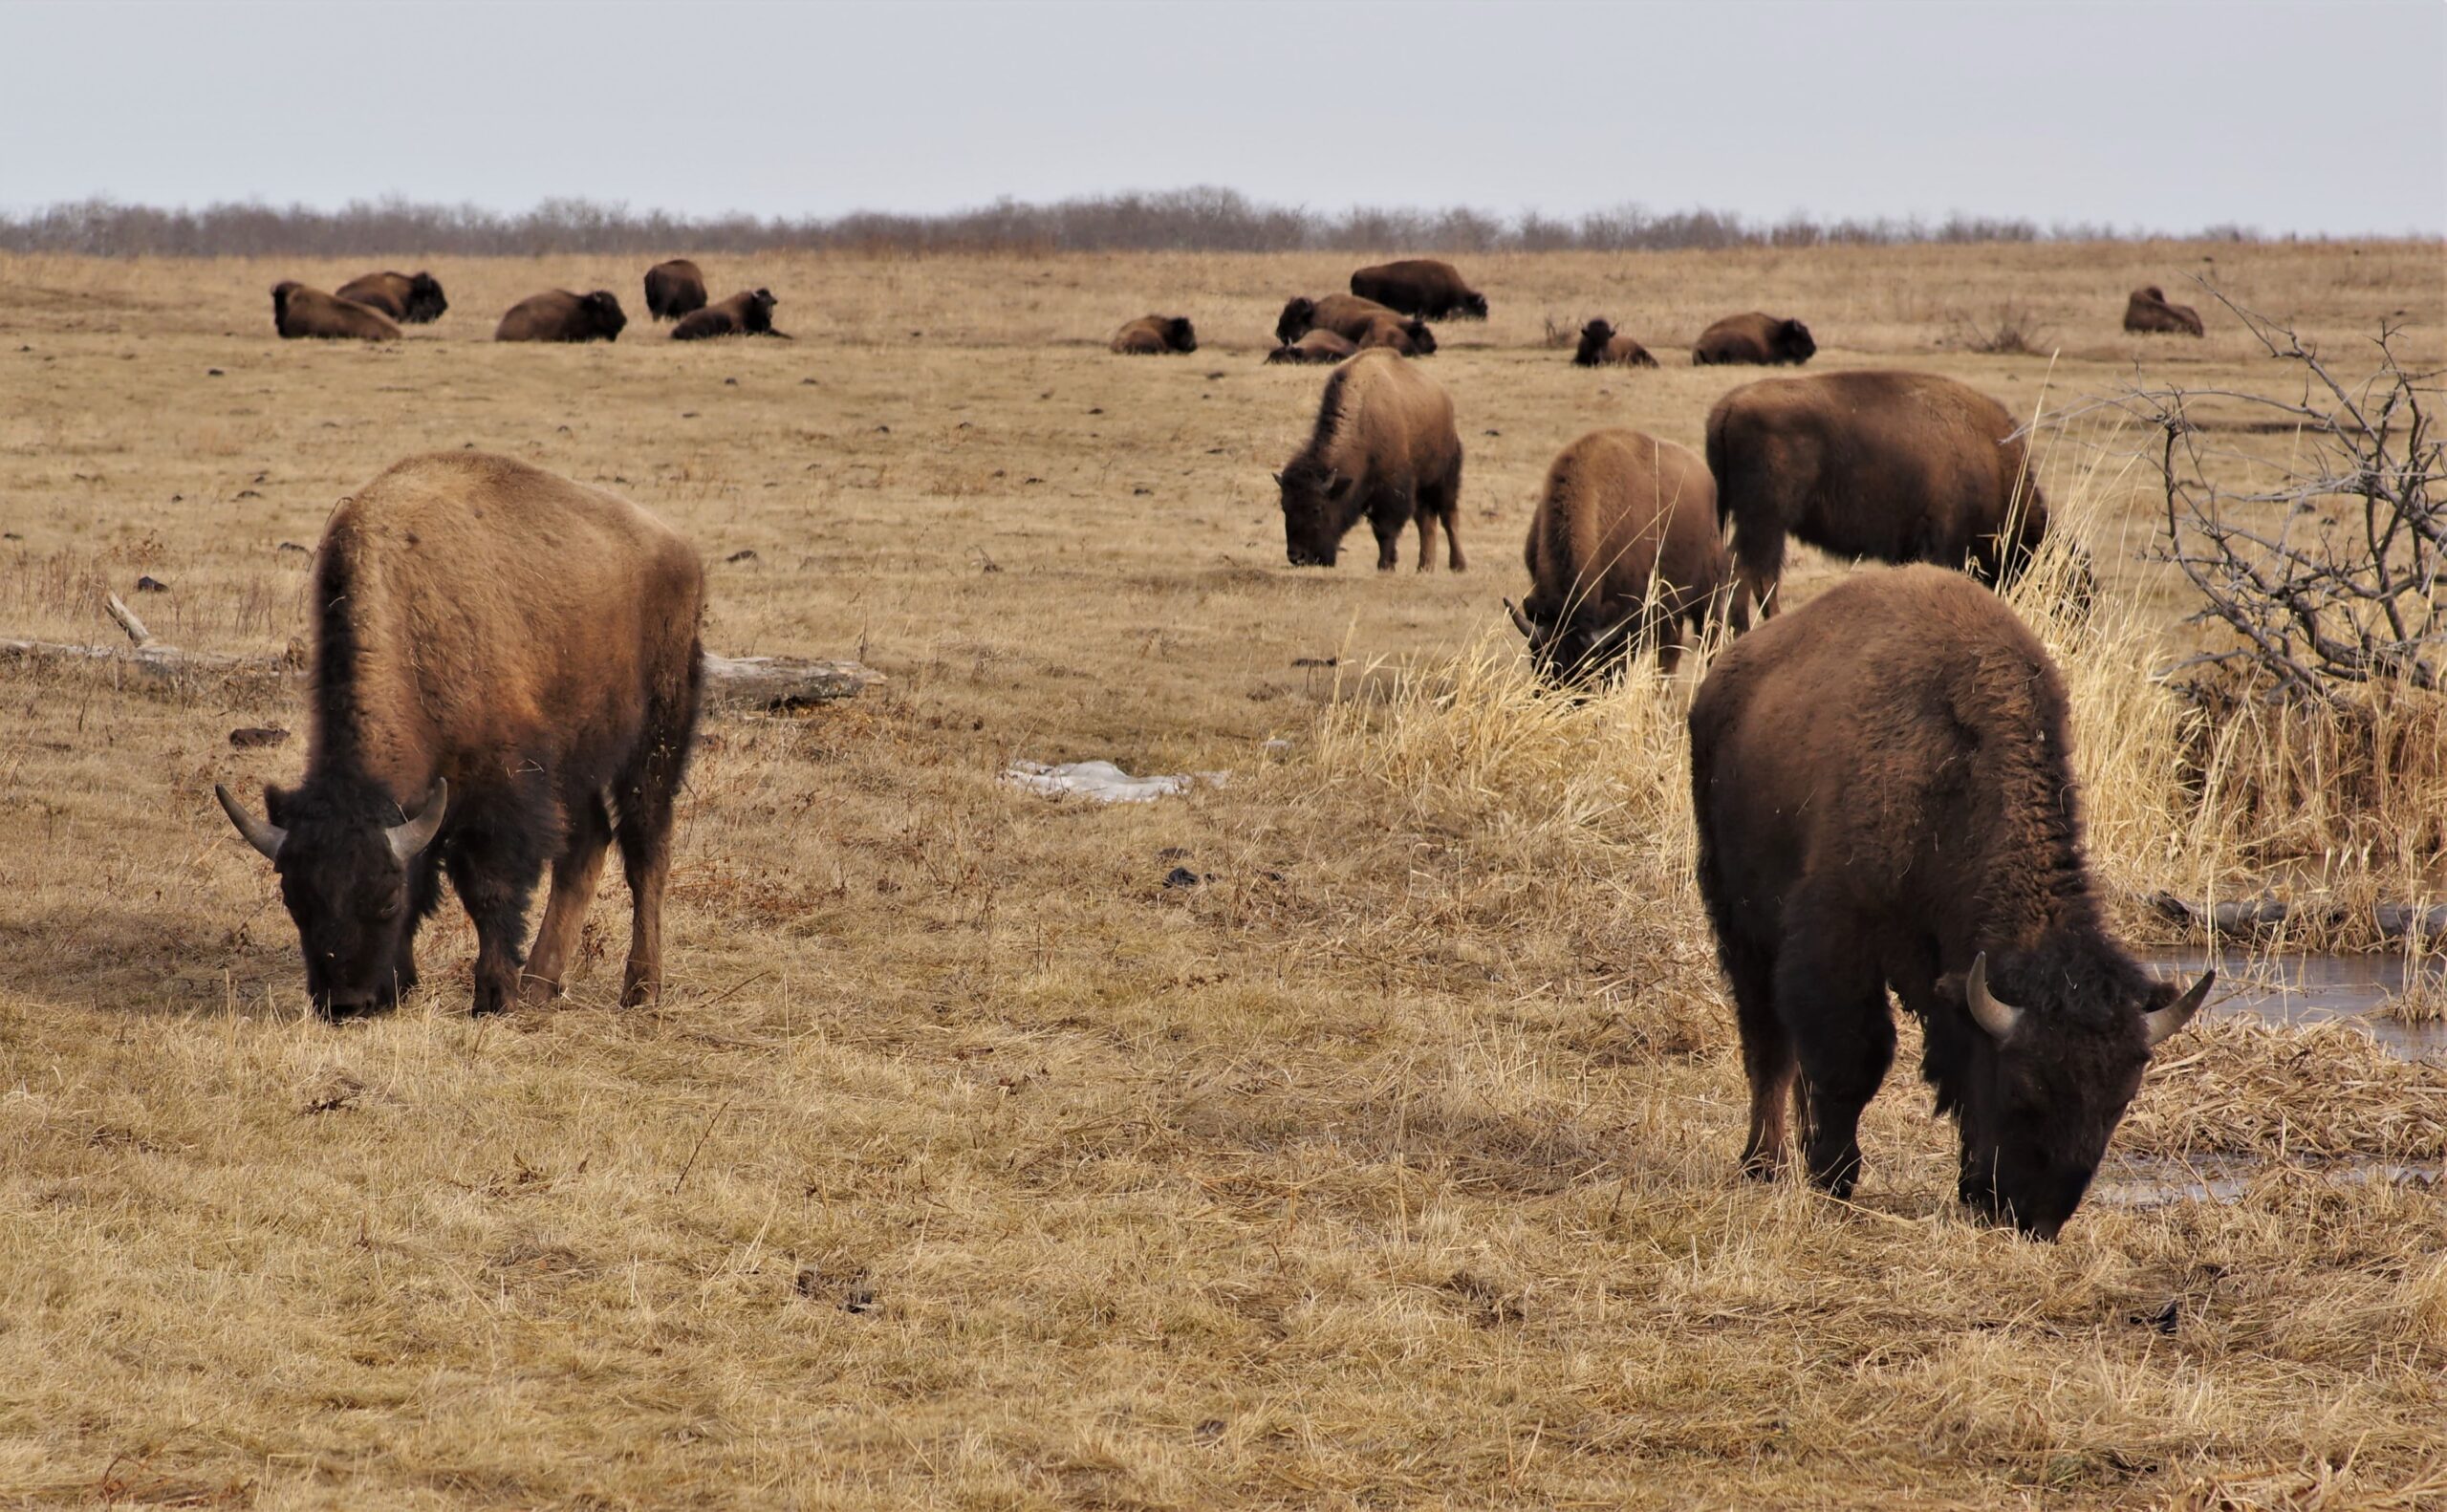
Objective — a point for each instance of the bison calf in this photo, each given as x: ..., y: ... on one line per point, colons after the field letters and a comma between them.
x: 674, y: 289
x: 558, y: 315
x: 1317, y: 346
x: 1755, y: 338
x: 2147, y: 311
x: 299, y: 313
x: 414, y: 298
x: 1885, y: 801
x: 1422, y: 287
x: 1153, y: 335
x: 748, y: 314
x: 1384, y: 446
x: 1600, y: 343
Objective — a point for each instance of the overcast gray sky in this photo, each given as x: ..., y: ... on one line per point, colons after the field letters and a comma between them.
x: 2326, y: 116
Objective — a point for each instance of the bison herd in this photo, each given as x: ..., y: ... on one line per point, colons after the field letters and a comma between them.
x: 506, y: 677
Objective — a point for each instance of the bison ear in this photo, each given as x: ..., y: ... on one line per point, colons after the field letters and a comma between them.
x: 1339, y: 488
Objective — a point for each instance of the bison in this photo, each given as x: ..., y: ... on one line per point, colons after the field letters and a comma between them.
x: 1151, y: 335
x: 298, y: 312
x: 1317, y: 346
x: 414, y: 298
x: 2148, y: 311
x: 1422, y: 287
x: 1624, y: 544
x: 1754, y: 339
x: 1885, y: 801
x: 1385, y: 447
x: 674, y: 289
x: 1901, y: 466
x: 1601, y: 344
x: 560, y: 315
x: 505, y: 671
x: 1346, y: 315
x: 749, y: 313
x: 1410, y: 338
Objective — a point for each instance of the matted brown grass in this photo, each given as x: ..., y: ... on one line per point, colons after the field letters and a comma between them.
x: 966, y: 1163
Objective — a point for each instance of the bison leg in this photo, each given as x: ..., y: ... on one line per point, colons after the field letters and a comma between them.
x: 1767, y: 1058
x: 1426, y: 538
x: 576, y: 871
x: 495, y: 870
x: 1444, y: 502
x: 1833, y: 1002
x: 1759, y: 558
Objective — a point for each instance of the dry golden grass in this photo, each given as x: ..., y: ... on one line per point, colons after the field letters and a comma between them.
x: 966, y: 1164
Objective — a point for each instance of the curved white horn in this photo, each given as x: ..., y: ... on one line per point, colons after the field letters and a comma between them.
x: 1521, y: 621
x: 2158, y: 1023
x: 409, y: 838
x: 1991, y: 1013
x: 263, y: 834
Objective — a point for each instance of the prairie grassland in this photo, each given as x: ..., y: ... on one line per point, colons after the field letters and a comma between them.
x: 966, y: 1163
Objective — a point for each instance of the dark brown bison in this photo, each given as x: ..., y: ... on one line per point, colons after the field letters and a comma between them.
x: 1317, y: 346
x: 1899, y: 466
x: 2148, y: 311
x: 414, y: 298
x: 1624, y: 546
x: 1409, y: 336
x: 1600, y: 343
x: 674, y: 289
x: 1346, y: 315
x: 298, y: 312
x: 748, y: 314
x: 505, y: 673
x: 558, y: 315
x: 1151, y: 335
x: 1756, y: 338
x: 1885, y: 801
x: 1422, y: 287
x: 1385, y: 447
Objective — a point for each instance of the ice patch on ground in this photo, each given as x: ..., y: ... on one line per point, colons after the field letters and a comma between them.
x: 1101, y: 780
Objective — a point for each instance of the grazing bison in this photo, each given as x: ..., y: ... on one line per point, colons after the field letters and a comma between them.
x: 1885, y: 800
x: 1317, y: 346
x: 1901, y: 466
x: 1384, y: 447
x: 1422, y: 287
x: 749, y: 313
x: 1410, y: 338
x: 674, y: 289
x: 2148, y: 311
x: 1346, y: 315
x: 558, y: 315
x: 299, y: 311
x: 1600, y: 344
x: 1625, y: 544
x: 1151, y: 335
x: 505, y: 673
x: 1756, y: 338
x: 414, y: 298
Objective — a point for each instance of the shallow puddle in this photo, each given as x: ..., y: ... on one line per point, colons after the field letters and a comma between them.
x: 2312, y: 989
x: 2223, y: 1178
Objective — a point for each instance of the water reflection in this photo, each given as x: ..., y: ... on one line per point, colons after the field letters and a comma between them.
x: 2312, y: 989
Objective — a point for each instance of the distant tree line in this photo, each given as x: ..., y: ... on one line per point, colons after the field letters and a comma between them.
x: 1194, y: 220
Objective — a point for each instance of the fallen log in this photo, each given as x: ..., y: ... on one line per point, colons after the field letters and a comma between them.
x: 2260, y: 915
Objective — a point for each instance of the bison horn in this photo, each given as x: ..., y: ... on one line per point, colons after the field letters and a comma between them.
x: 2159, y: 1024
x: 265, y: 836
x: 1991, y: 1013
x: 1521, y: 621
x: 409, y: 838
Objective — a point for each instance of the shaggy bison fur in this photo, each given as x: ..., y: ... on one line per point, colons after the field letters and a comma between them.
x: 674, y: 289
x: 558, y: 315
x: 748, y: 314
x: 1153, y: 335
x: 1384, y: 447
x: 412, y: 298
x: 1422, y: 287
x: 299, y: 313
x: 1754, y: 339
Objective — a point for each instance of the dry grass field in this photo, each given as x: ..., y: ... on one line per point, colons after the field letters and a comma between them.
x: 968, y: 1163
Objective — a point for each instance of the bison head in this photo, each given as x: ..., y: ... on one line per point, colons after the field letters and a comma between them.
x: 1297, y: 318
x: 1318, y: 508
x: 345, y: 855
x: 757, y: 314
x: 424, y: 299
x: 1792, y: 342
x: 1593, y: 337
x: 1180, y: 334
x: 1474, y: 305
x: 1572, y: 648
x: 2043, y: 1084
x: 280, y: 292
x: 603, y: 312
x: 1422, y: 340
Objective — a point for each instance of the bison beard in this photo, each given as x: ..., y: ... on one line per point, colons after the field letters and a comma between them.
x: 1885, y: 801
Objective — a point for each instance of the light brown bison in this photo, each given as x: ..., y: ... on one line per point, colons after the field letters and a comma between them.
x: 2148, y: 311
x: 1317, y: 346
x: 1885, y: 801
x: 748, y: 314
x: 298, y: 312
x: 1409, y: 337
x: 1600, y: 343
x: 505, y: 673
x: 1346, y: 315
x: 1385, y: 447
x: 1153, y: 335
x: 1755, y: 338
x: 414, y: 298
x: 1624, y: 551
x: 558, y: 315
x: 1422, y: 287
x: 1899, y: 466
x: 674, y: 289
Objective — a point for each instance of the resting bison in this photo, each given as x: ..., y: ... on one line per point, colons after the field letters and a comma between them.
x: 560, y: 315
x: 749, y: 313
x: 299, y: 311
x: 1901, y: 466
x: 2148, y: 311
x: 1625, y: 544
x: 1384, y: 447
x: 1756, y: 338
x: 1885, y: 800
x: 1422, y: 287
x: 1317, y: 346
x: 505, y: 671
x: 1346, y: 315
x: 1151, y: 335
x: 414, y: 298
x: 674, y: 289
x: 1410, y: 338
x: 1600, y: 343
